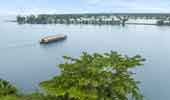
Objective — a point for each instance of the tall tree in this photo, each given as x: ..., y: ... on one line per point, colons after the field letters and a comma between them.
x: 96, y: 77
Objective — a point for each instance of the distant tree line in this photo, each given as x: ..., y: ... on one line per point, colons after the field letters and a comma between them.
x: 66, y: 19
x: 100, y: 19
x: 163, y: 22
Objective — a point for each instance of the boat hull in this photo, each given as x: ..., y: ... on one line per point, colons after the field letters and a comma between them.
x: 53, y: 38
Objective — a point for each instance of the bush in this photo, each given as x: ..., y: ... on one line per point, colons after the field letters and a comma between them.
x: 6, y: 88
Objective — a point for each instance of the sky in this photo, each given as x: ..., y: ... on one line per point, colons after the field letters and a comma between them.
x: 83, y: 6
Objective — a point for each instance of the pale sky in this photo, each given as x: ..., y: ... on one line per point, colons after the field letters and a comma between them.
x: 83, y: 6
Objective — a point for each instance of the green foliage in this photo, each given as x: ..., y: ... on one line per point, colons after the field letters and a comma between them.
x: 67, y: 19
x: 6, y: 88
x: 36, y: 96
x: 9, y: 97
x: 96, y: 77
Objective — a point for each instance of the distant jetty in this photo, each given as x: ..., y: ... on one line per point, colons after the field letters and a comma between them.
x: 53, y: 38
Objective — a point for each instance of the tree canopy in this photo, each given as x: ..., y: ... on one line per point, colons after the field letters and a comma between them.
x: 105, y: 76
x: 6, y: 88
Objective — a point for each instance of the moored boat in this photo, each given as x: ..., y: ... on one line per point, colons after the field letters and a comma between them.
x: 53, y: 38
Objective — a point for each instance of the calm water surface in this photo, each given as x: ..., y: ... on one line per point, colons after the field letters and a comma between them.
x: 25, y: 63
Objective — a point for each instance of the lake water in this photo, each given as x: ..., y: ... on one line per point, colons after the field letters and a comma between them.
x: 25, y: 63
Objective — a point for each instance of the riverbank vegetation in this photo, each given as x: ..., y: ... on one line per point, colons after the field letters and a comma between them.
x: 106, y: 76
x: 99, y: 19
x: 163, y: 22
x: 67, y: 19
